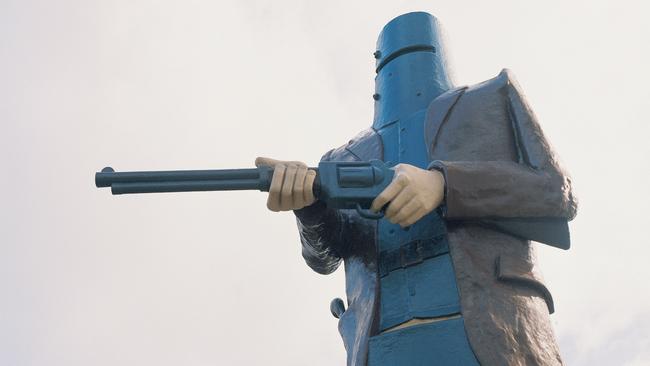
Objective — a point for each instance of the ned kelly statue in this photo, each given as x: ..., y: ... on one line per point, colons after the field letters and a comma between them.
x: 432, y: 210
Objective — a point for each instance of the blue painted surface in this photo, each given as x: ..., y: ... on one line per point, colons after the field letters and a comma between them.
x: 411, y: 73
x: 421, y: 291
x: 412, y: 67
x: 427, y: 289
x: 440, y: 343
x: 351, y: 185
x: 408, y: 30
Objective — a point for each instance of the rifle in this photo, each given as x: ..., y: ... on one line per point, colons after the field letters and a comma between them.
x: 340, y: 185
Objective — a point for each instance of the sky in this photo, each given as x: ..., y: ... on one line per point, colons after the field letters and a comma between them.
x: 87, y: 278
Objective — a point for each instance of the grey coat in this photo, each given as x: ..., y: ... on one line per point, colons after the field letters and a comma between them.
x: 504, y: 187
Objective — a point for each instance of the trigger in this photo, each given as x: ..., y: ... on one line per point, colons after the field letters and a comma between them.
x: 369, y: 214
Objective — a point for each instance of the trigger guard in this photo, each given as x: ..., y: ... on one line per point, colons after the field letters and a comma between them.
x: 369, y: 214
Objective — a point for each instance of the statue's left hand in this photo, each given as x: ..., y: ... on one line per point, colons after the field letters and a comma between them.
x: 413, y: 193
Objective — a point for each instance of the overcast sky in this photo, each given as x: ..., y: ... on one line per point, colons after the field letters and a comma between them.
x: 214, y: 278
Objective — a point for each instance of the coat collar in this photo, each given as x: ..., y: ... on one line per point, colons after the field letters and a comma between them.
x: 436, y: 116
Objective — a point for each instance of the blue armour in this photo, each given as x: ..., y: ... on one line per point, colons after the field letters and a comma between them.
x: 416, y: 276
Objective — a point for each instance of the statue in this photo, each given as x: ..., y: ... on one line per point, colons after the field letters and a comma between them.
x: 432, y: 210
x: 448, y: 276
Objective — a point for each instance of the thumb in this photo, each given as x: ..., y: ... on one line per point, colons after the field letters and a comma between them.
x: 262, y: 161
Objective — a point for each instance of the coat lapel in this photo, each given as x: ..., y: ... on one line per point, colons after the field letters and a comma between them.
x: 436, y: 115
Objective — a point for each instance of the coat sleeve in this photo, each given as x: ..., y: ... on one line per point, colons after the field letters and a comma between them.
x: 320, y: 234
x: 531, y: 198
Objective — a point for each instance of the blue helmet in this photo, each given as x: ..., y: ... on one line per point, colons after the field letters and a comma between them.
x: 411, y: 67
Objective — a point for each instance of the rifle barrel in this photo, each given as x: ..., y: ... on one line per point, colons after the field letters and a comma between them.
x: 185, y: 180
x: 186, y: 186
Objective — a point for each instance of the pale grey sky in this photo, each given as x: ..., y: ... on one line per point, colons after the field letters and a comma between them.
x: 214, y: 278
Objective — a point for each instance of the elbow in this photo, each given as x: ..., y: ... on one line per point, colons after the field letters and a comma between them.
x: 321, y: 262
x: 567, y: 201
x: 572, y: 206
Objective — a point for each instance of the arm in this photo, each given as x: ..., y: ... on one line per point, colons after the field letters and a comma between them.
x: 531, y: 198
x: 320, y: 235
x: 320, y: 230
x: 319, y: 227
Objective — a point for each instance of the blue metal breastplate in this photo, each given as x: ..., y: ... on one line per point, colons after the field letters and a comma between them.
x: 416, y: 275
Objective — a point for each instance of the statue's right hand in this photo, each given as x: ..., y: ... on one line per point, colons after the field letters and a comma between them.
x: 291, y: 186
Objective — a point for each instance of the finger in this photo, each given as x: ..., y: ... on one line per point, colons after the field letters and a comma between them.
x: 299, y: 187
x: 393, y: 189
x: 407, y: 210
x: 273, y: 202
x: 286, y: 194
x: 298, y: 163
x: 395, y: 206
x: 262, y: 161
x: 308, y: 191
x: 415, y: 217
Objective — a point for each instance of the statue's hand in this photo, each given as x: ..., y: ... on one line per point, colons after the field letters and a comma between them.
x: 291, y: 186
x: 413, y: 193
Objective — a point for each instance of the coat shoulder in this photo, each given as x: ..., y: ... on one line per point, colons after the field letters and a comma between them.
x: 504, y: 82
x: 366, y: 145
